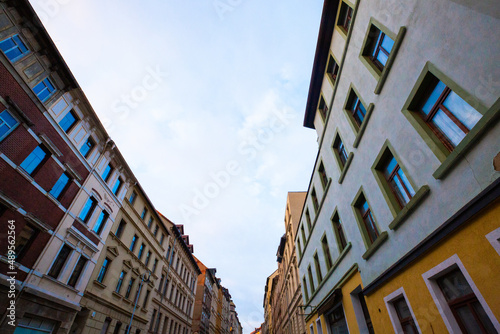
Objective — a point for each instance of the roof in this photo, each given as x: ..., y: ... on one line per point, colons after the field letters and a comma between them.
x: 320, y: 60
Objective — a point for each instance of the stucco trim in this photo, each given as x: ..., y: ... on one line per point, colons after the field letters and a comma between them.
x: 393, y: 313
x: 494, y: 239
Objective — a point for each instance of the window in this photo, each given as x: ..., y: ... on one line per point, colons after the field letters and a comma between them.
x: 87, y: 147
x: 107, y: 172
x: 35, y: 160
x: 156, y: 230
x: 13, y: 48
x: 145, y: 302
x: 318, y: 268
x: 336, y: 321
x: 60, y: 186
x: 105, y: 326
x: 345, y: 17
x: 322, y: 108
x: 129, y: 287
x: 120, y: 281
x: 44, y: 89
x: 340, y: 152
x: 161, y: 239
x: 404, y: 316
x: 322, y: 175
x: 134, y: 242
x: 155, y: 264
x: 332, y: 69
x: 141, y: 251
x: 356, y: 108
x: 369, y: 226
x: 118, y: 186
x: 339, y: 232
x: 77, y: 271
x: 118, y: 326
x: 326, y: 252
x: 59, y: 262
x: 468, y: 312
x: 447, y: 114
x: 148, y: 257
x: 103, y: 270
x: 24, y: 240
x: 303, y: 234
x: 366, y: 314
x: 28, y: 324
x: 150, y: 222
x: 88, y: 210
x: 152, y: 321
x: 120, y: 228
x: 101, y: 222
x: 308, y: 220
x: 144, y: 213
x: 396, y: 179
x: 319, y: 327
x: 7, y: 124
x: 132, y: 198
x: 69, y: 121
x: 304, y: 284
x: 378, y: 47
x: 314, y: 199
x: 311, y: 281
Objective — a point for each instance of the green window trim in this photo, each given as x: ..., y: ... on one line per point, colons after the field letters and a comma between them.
x: 358, y: 130
x: 376, y: 245
x: 389, y: 197
x: 448, y: 159
x: 379, y: 75
x: 317, y: 268
x: 318, y: 108
x: 360, y: 222
x: 410, y: 207
x: 330, y: 79
x: 346, y: 167
x: 306, y: 242
x: 335, y: 231
x: 341, y: 29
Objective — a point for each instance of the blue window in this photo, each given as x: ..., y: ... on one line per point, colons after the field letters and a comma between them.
x: 382, y: 49
x: 35, y: 159
x: 141, y: 251
x: 134, y: 242
x: 118, y: 186
x: 60, y: 186
x: 13, y: 47
x: 44, y: 89
x: 101, y: 222
x: 68, y: 121
x: 88, y: 209
x: 7, y: 123
x: 87, y: 147
x: 107, y: 172
x: 104, y: 269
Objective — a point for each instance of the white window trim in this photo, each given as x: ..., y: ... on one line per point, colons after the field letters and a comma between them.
x: 358, y: 310
x: 494, y: 239
x: 392, y: 310
x: 438, y: 297
x: 311, y: 328
x: 319, y: 328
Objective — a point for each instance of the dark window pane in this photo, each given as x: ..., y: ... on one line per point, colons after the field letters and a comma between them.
x: 24, y: 240
x: 87, y: 210
x: 431, y: 101
x: 77, y: 272
x: 107, y: 172
x: 59, y: 261
x: 87, y: 147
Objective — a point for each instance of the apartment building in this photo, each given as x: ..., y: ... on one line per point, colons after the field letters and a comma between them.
x: 283, y: 295
x: 400, y: 229
x: 203, y: 303
x: 235, y: 325
x: 54, y: 155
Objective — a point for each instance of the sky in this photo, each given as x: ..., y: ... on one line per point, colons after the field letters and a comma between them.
x: 205, y: 99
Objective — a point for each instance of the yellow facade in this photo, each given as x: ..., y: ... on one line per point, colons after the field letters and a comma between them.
x: 477, y: 255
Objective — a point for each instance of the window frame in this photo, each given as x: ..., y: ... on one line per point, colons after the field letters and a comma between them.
x: 100, y: 223
x: 103, y: 270
x: 39, y: 165
x: 90, y: 211
x: 73, y: 124
x: 326, y: 252
x: 81, y: 270
x: 106, y: 174
x: 91, y: 148
x: 317, y: 267
x: 64, y: 188
x: 322, y: 108
x: 11, y: 128
x: 332, y: 70
x: 358, y: 129
x: 45, y: 82
x: 410, y: 110
x: 335, y: 220
x: 342, y: 164
x: 23, y: 53
x: 343, y: 14
x: 393, y: 313
x: 380, y: 74
x: 55, y: 272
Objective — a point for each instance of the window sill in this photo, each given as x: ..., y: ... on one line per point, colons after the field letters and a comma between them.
x: 378, y: 242
x: 346, y: 167
x: 126, y: 300
x: 363, y: 125
x: 99, y: 284
x: 451, y: 160
x: 412, y: 205
x: 342, y: 31
x: 117, y: 295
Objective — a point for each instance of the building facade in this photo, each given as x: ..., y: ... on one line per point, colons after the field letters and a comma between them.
x: 398, y: 233
x: 283, y: 296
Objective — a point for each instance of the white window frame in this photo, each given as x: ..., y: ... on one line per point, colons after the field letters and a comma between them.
x: 319, y: 328
x: 311, y: 328
x: 494, y: 239
x: 10, y: 129
x: 438, y: 297
x: 388, y: 300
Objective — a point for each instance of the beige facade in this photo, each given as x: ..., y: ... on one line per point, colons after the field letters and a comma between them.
x: 283, y: 296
